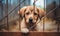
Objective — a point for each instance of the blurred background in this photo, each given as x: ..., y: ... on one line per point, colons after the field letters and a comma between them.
x: 9, y: 9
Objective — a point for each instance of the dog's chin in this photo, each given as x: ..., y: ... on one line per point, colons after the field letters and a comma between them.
x: 29, y: 22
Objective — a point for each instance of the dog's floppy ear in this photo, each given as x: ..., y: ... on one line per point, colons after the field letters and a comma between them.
x: 22, y: 11
x: 41, y: 12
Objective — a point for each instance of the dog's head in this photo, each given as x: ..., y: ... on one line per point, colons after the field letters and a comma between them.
x: 31, y: 13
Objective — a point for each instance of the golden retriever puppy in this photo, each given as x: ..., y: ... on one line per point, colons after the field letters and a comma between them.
x: 33, y: 20
x: 31, y: 16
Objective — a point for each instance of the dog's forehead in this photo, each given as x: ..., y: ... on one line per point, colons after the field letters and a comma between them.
x: 31, y: 8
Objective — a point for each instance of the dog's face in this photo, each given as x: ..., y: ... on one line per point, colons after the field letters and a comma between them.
x: 31, y: 14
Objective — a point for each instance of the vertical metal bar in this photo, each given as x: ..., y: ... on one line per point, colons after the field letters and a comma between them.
x: 7, y: 14
x: 2, y: 10
x: 59, y: 3
x: 10, y: 4
x: 29, y: 1
x: 19, y: 17
x: 34, y: 5
x: 24, y: 2
x: 57, y: 21
x: 59, y: 7
x: 43, y: 25
x: 44, y: 17
x: 55, y: 15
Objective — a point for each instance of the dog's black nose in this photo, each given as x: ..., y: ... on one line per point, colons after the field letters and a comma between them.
x: 30, y: 20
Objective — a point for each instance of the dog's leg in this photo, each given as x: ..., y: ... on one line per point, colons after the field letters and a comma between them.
x: 24, y: 29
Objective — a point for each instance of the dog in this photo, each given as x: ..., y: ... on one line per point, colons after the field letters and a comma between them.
x: 32, y: 20
x: 31, y: 16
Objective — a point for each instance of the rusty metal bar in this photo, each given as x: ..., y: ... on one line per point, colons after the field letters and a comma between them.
x: 34, y: 3
x: 59, y: 24
x: 44, y: 18
x: 58, y: 28
x: 43, y: 24
x: 19, y: 17
x: 1, y: 7
x: 7, y: 13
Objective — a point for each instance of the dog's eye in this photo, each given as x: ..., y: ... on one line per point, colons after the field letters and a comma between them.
x: 27, y: 13
x: 35, y: 13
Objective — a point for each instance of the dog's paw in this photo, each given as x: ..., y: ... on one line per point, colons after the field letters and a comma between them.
x: 25, y: 30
